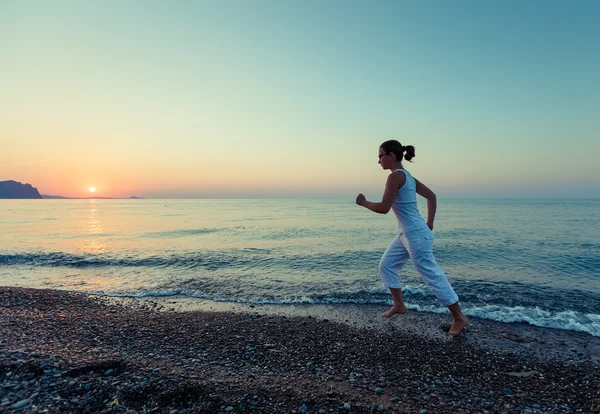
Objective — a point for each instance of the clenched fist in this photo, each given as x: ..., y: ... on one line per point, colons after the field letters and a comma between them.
x: 360, y: 199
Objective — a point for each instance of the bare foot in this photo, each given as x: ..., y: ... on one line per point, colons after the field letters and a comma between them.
x: 458, y: 325
x: 394, y: 310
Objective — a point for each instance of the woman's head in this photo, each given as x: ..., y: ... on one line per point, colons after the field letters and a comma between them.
x: 398, y: 150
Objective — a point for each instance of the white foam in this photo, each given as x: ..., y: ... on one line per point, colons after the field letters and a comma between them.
x: 568, y: 320
x: 252, y: 300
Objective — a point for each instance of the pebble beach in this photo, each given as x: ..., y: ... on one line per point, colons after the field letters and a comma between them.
x: 70, y: 352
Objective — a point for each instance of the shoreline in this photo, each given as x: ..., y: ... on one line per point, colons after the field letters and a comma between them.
x: 66, y: 351
x: 526, y: 340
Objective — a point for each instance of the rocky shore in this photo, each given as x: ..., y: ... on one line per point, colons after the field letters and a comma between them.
x: 68, y: 352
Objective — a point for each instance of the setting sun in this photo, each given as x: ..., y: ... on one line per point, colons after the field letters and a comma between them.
x: 92, y: 190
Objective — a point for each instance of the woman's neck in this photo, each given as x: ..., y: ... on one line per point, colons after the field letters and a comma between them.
x: 397, y: 166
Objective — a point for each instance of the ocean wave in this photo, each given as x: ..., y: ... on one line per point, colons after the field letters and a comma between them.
x: 342, y: 298
x: 297, y: 233
x: 245, y: 259
x: 458, y: 233
x: 211, y: 260
x: 180, y: 233
x: 566, y: 320
x: 555, y: 260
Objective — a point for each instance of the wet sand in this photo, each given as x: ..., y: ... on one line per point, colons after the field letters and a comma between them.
x: 69, y: 352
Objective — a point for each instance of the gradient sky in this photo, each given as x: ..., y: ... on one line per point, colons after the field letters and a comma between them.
x: 292, y: 98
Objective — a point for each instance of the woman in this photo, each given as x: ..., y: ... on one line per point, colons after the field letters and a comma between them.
x: 415, y: 238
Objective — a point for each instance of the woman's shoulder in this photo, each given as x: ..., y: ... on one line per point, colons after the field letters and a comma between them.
x: 397, y: 177
x: 403, y: 173
x: 400, y: 172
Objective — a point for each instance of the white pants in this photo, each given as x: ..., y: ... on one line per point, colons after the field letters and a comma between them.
x: 419, y: 248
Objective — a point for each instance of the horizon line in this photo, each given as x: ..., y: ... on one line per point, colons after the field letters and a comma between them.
x: 291, y: 197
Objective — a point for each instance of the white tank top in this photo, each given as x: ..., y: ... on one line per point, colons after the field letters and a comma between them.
x: 405, y: 207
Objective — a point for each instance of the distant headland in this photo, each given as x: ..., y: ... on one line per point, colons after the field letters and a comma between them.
x: 15, y: 189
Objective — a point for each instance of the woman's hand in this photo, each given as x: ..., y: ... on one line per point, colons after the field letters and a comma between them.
x: 360, y: 199
x: 430, y: 225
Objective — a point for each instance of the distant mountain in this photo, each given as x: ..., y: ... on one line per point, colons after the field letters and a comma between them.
x: 15, y: 189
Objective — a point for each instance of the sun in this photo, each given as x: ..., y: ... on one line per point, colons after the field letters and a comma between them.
x: 92, y: 190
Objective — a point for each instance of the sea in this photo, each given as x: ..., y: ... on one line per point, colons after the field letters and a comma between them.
x: 534, y: 261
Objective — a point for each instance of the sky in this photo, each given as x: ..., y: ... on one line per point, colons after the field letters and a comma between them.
x: 253, y: 98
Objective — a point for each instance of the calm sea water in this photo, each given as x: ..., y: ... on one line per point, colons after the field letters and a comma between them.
x: 535, y: 261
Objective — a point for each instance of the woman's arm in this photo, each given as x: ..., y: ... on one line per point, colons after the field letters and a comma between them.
x: 394, y: 181
x: 423, y: 191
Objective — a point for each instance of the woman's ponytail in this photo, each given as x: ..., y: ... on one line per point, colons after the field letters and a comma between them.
x: 393, y: 146
x: 409, y: 152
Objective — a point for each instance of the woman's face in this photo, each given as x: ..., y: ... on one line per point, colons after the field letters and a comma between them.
x: 385, y: 159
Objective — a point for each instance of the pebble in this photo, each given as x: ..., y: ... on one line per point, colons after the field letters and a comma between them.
x: 108, y: 371
x: 379, y: 390
x: 229, y: 409
x: 21, y: 404
x: 347, y: 406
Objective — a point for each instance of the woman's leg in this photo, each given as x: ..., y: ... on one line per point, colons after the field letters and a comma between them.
x: 392, y: 260
x: 459, y: 320
x: 398, y: 307
x: 421, y: 252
